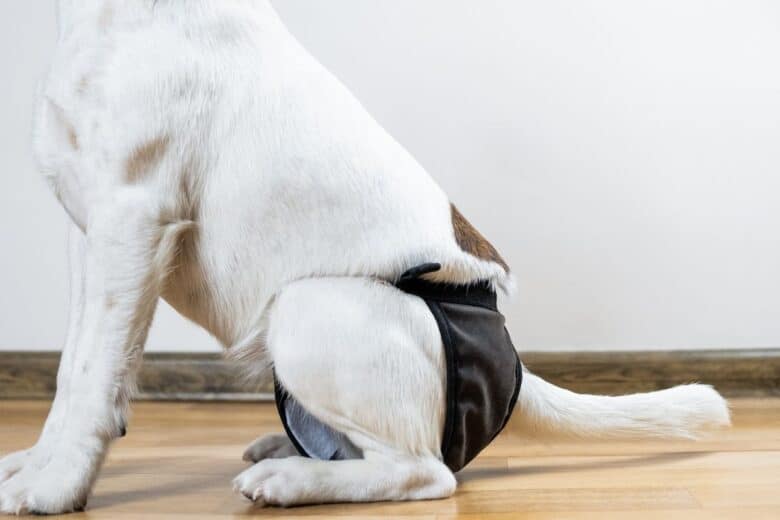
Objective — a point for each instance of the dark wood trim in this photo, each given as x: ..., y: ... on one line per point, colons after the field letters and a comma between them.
x: 756, y: 372
x: 174, y: 376
x: 753, y: 372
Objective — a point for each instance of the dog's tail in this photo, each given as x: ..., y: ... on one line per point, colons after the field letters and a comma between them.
x: 685, y: 411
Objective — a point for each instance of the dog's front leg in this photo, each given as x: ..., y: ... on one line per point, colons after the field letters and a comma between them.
x: 35, y: 455
x: 126, y: 252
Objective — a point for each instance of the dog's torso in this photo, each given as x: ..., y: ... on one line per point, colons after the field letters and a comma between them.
x: 218, y: 117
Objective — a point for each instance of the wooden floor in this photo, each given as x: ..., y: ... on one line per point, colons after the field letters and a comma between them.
x: 179, y: 458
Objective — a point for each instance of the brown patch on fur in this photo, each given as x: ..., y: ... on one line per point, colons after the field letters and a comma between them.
x: 66, y: 126
x: 472, y: 242
x: 145, y: 157
x: 73, y: 139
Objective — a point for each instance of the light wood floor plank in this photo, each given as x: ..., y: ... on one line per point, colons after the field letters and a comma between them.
x: 179, y: 458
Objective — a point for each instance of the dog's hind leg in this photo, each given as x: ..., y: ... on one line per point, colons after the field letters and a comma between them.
x: 126, y: 253
x: 367, y: 360
x: 298, y: 480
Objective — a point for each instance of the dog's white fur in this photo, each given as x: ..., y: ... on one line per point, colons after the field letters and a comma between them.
x: 205, y: 157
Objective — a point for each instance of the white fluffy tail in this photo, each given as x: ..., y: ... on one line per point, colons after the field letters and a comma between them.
x: 685, y: 411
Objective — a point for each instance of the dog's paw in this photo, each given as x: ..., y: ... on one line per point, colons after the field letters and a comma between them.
x: 42, y: 491
x: 40, y: 481
x: 272, y: 482
x: 273, y: 446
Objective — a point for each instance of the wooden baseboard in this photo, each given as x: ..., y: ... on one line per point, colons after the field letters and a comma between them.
x: 32, y: 375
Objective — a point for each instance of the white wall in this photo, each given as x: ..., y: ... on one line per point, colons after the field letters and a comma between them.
x: 623, y: 155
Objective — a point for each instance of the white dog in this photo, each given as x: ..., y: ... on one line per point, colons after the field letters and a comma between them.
x: 205, y: 157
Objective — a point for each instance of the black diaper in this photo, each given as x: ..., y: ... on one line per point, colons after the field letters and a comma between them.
x: 483, y: 375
